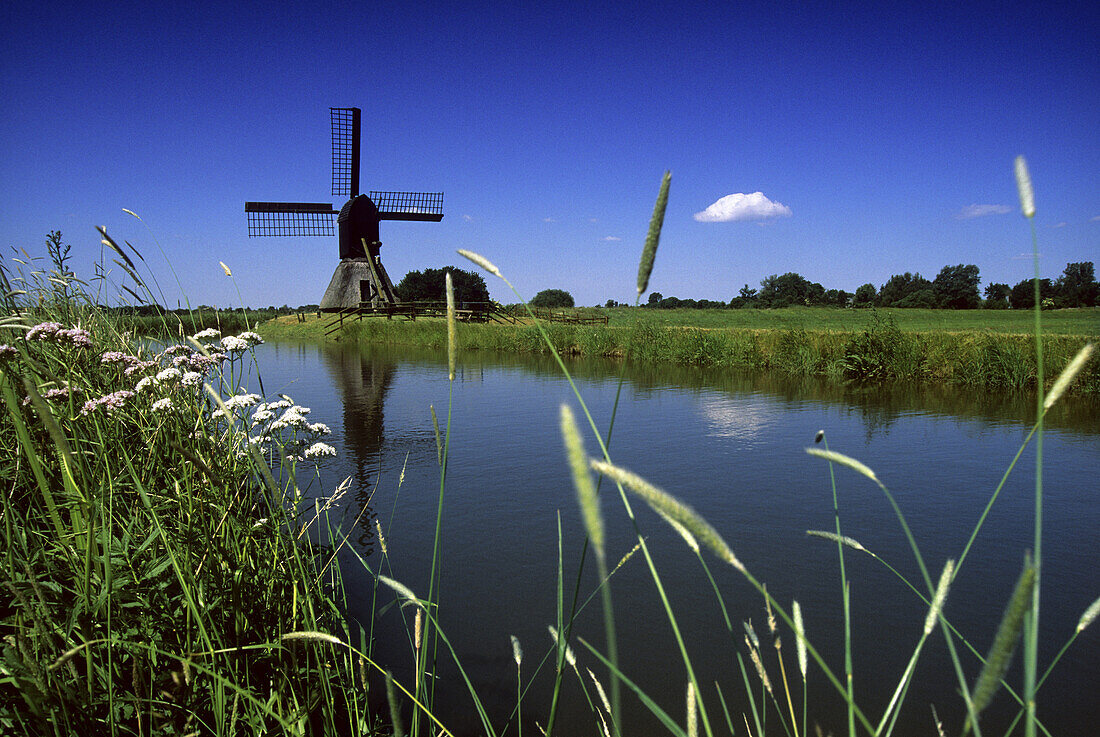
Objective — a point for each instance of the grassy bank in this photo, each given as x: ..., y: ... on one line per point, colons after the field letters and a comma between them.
x: 872, y: 344
x: 159, y: 573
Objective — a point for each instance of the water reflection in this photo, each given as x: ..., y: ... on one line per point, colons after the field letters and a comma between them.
x: 362, y: 381
x: 879, y: 406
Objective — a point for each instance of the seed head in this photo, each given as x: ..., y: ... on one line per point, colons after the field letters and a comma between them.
x: 1023, y: 184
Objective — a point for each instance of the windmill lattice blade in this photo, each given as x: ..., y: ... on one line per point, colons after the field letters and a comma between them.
x: 408, y: 205
x: 345, y: 151
x: 290, y: 218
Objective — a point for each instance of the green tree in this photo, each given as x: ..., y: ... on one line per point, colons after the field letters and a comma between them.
x: 552, y: 298
x: 865, y: 296
x: 1077, y: 286
x: 745, y: 298
x: 430, y: 286
x: 789, y: 289
x: 654, y: 298
x: 899, y: 287
x: 1022, y: 296
x: 956, y: 287
x: 996, y: 296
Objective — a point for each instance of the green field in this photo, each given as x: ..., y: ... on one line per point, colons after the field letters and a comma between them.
x: 1080, y: 321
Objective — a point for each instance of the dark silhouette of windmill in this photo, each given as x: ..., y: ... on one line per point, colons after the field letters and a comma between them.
x: 360, y: 276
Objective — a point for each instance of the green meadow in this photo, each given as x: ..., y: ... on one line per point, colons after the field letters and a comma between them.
x: 988, y: 349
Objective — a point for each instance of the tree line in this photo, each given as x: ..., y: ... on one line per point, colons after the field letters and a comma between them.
x: 955, y: 287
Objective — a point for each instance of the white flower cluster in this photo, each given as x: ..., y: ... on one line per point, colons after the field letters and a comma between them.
x: 283, y: 422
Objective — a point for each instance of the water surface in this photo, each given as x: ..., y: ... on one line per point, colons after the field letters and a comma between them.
x: 732, y: 446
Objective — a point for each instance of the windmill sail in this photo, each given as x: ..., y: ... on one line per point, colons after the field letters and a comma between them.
x: 345, y: 151
x: 290, y: 218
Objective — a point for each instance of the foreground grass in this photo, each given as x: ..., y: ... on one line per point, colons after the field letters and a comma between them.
x: 158, y: 573
x: 877, y: 347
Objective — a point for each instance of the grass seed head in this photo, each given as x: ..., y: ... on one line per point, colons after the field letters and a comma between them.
x: 800, y: 636
x: 852, y: 463
x: 1089, y: 615
x: 481, y: 261
x: 582, y: 480
x: 451, y: 348
x: 842, y: 539
x: 315, y: 636
x: 662, y: 501
x: 941, y: 594
x: 649, y: 252
x: 1004, y: 642
x: 692, y: 712
x: 225, y: 269
x: 1069, y: 373
x: 1023, y: 185
x: 517, y: 651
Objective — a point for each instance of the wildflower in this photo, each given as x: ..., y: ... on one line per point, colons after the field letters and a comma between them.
x: 293, y: 417
x: 191, y: 378
x: 319, y: 449
x: 145, y: 383
x: 110, y: 401
x: 241, y: 400
x: 43, y: 331
x: 319, y: 428
x: 177, y: 348
x: 250, y: 337
x: 261, y: 416
x: 162, y: 405
x: 138, y: 367
x: 75, y: 336
x: 169, y: 374
x: 55, y: 393
x: 231, y: 343
x: 204, y: 334
x: 118, y: 357
x: 7, y: 351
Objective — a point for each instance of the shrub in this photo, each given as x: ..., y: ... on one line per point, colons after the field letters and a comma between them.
x: 552, y: 298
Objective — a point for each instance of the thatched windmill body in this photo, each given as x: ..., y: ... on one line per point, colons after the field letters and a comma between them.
x: 360, y: 276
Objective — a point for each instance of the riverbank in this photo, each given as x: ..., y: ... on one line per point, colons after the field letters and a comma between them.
x: 160, y: 571
x: 976, y: 348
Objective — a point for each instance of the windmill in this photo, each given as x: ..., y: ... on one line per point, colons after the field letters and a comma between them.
x: 360, y: 276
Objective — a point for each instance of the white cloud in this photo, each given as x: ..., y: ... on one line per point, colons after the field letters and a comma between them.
x: 740, y: 206
x: 1095, y: 219
x: 1059, y: 225
x: 977, y: 211
x: 612, y: 238
x: 594, y: 220
x: 549, y: 220
x: 468, y: 218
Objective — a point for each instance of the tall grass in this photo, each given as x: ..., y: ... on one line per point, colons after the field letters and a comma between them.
x: 160, y: 569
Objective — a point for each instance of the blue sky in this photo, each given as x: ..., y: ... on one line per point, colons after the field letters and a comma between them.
x: 881, y: 139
